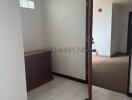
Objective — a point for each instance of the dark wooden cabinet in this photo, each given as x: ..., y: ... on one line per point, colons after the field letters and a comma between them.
x: 38, y: 68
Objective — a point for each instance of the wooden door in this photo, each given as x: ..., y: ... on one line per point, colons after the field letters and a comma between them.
x: 129, y: 42
x: 129, y: 75
x: 89, y: 17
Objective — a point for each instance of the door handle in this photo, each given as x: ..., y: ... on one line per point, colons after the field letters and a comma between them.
x: 88, y: 50
x: 94, y: 50
x: 93, y: 41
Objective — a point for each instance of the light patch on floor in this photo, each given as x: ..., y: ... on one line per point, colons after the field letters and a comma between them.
x: 64, y: 89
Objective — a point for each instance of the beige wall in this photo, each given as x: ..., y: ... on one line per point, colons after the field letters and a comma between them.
x: 123, y: 25
x: 33, y: 27
x: 65, y: 22
x: 115, y: 29
x: 120, y: 15
x: 58, y: 24
x: 12, y: 69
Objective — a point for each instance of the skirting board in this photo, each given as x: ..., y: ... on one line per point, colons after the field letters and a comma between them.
x: 118, y: 54
x: 129, y: 94
x: 71, y: 78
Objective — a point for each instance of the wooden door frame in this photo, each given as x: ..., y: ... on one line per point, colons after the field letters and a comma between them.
x: 129, y: 70
x: 130, y: 13
x: 89, y: 19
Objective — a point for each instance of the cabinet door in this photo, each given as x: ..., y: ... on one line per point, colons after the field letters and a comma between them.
x: 30, y: 73
x: 43, y: 68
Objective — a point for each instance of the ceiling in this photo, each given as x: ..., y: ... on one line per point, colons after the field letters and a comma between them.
x: 112, y: 1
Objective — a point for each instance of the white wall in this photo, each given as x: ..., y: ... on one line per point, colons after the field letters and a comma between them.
x: 102, y: 28
x: 12, y: 69
x: 113, y: 20
x: 33, y: 27
x: 65, y: 26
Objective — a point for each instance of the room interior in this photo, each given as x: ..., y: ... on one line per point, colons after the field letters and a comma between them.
x: 110, y: 34
x: 31, y: 33
x: 64, y: 35
x: 57, y: 34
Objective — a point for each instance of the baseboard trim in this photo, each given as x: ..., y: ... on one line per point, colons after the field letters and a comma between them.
x: 129, y: 94
x: 117, y: 54
x: 70, y: 77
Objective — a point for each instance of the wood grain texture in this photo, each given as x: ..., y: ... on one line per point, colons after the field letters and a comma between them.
x: 38, y: 69
x: 89, y: 17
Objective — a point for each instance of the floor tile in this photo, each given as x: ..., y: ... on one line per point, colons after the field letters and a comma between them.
x: 64, y: 89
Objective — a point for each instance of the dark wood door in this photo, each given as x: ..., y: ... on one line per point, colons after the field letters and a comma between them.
x: 129, y: 42
x: 129, y: 49
x: 129, y: 75
x: 89, y: 16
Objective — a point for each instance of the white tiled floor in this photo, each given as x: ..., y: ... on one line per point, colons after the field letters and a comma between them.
x: 64, y: 89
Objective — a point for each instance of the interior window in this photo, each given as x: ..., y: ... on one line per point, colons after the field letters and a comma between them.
x: 27, y: 4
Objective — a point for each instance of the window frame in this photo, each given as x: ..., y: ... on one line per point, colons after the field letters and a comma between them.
x: 27, y: 6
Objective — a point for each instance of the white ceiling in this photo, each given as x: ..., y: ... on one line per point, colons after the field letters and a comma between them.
x: 112, y: 1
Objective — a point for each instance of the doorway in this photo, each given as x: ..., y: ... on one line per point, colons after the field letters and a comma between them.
x: 110, y: 62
